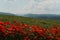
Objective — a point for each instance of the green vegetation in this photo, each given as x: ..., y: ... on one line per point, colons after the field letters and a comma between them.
x: 30, y: 21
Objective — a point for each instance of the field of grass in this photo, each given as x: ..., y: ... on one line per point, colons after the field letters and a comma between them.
x: 25, y: 28
x: 30, y: 21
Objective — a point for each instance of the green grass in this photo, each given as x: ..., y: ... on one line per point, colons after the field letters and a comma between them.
x: 30, y: 21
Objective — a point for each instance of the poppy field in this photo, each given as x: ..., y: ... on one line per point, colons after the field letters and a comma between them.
x: 24, y: 28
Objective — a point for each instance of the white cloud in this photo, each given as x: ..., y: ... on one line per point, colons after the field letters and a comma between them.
x: 10, y: 0
x: 33, y: 6
x: 43, y: 6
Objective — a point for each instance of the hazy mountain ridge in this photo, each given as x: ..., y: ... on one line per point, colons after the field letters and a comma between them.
x: 4, y: 13
x: 44, y: 16
x: 41, y: 16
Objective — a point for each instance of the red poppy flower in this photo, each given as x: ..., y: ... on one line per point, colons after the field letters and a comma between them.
x: 14, y: 21
x: 6, y: 23
x: 58, y: 38
x: 1, y: 27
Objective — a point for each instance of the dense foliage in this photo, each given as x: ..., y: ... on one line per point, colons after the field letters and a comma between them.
x: 19, y: 31
x: 24, y: 28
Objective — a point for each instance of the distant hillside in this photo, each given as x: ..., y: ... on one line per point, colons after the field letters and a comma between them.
x: 39, y: 16
x: 3, y: 13
x: 44, y: 16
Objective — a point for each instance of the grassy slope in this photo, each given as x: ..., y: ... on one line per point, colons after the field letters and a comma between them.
x: 30, y: 21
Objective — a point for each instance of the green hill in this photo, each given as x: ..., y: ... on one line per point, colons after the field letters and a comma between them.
x: 4, y: 13
x: 30, y: 21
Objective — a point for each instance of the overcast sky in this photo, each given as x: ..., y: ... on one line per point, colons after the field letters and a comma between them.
x: 30, y: 6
